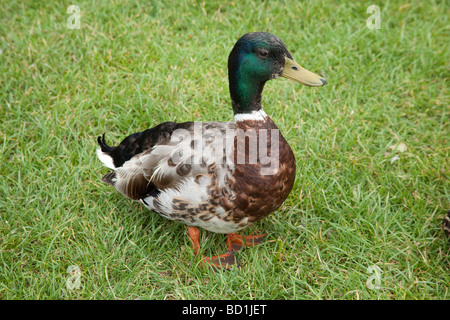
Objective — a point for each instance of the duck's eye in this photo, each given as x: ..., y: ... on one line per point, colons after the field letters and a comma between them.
x: 263, y: 53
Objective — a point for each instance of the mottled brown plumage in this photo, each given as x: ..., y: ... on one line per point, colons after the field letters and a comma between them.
x: 258, y: 195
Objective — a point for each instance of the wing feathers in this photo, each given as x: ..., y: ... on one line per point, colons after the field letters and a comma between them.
x: 167, y: 162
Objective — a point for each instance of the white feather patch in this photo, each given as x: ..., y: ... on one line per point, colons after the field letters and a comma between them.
x: 105, y: 159
x: 254, y: 115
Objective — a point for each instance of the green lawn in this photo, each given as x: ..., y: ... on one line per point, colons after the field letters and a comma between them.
x: 372, y: 149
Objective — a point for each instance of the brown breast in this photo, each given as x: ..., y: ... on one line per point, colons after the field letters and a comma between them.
x: 264, y: 171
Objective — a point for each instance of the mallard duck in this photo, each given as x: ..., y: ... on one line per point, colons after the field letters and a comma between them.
x: 220, y: 176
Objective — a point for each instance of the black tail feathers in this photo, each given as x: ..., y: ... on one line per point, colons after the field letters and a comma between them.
x: 103, y: 145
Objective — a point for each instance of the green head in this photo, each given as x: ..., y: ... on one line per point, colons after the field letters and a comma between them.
x: 256, y: 58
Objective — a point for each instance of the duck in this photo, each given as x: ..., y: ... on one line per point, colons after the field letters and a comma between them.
x: 218, y: 176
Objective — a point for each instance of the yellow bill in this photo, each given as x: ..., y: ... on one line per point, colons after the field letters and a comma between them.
x: 292, y: 70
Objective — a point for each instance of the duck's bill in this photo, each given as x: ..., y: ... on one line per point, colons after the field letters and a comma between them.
x: 292, y: 70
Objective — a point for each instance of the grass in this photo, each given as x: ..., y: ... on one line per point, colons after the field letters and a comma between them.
x: 372, y: 149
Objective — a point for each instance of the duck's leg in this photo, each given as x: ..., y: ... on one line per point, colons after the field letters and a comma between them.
x: 235, y: 241
x: 194, y: 234
x: 225, y: 260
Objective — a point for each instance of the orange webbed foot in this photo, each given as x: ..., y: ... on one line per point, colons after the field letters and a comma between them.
x: 236, y: 242
x: 223, y: 261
